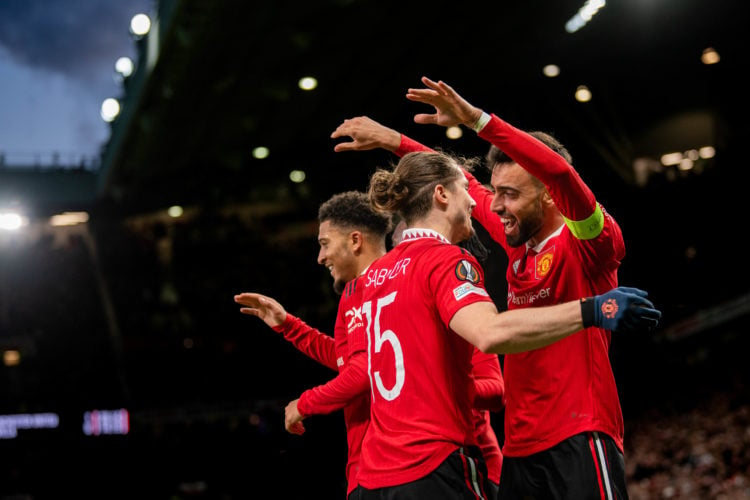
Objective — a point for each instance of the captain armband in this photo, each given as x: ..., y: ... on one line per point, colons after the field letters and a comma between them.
x: 588, y: 228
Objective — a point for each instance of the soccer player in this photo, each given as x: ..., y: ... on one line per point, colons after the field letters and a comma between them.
x: 488, y: 382
x: 563, y: 421
x: 424, y: 305
x: 351, y: 235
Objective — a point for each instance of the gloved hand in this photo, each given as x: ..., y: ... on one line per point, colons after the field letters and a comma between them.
x: 621, y: 309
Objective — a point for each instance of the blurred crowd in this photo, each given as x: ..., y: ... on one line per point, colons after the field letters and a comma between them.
x: 697, y: 453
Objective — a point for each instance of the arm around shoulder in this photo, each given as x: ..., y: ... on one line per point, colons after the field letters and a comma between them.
x: 517, y: 330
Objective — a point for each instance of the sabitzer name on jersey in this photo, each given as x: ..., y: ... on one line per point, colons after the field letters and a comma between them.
x: 376, y: 277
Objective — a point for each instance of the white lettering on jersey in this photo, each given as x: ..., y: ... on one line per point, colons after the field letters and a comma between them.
x: 528, y: 298
x: 376, y: 277
x: 355, y: 315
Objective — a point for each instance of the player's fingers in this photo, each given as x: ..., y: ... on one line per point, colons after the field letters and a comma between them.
x: 344, y: 146
x: 642, y: 302
x: 295, y: 427
x: 429, y: 83
x: 649, y: 313
x: 425, y: 119
x: 634, y: 291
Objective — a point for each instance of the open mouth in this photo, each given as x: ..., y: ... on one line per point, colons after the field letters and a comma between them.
x: 509, y: 223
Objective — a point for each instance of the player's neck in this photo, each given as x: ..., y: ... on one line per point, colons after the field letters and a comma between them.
x: 365, y: 259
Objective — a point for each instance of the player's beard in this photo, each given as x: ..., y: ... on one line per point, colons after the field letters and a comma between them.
x: 527, y: 227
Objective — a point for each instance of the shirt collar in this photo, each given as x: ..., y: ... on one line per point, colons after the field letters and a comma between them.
x: 416, y: 233
x: 538, y: 247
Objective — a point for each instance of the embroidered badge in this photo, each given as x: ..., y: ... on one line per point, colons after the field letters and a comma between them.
x: 466, y: 272
x: 609, y: 308
x: 465, y: 289
x: 543, y: 263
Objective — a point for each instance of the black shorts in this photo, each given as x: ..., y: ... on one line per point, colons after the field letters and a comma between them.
x: 586, y: 466
x: 463, y: 475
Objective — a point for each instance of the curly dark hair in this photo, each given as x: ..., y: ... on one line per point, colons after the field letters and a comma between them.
x: 352, y: 209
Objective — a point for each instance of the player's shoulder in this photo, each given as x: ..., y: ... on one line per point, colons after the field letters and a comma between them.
x: 448, y: 251
x: 352, y: 288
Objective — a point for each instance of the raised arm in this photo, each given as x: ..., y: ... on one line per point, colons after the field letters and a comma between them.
x: 450, y: 108
x: 310, y: 341
x: 366, y: 133
x: 571, y: 195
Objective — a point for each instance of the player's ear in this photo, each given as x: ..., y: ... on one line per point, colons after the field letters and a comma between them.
x: 356, y: 240
x: 546, y: 198
x: 440, y: 194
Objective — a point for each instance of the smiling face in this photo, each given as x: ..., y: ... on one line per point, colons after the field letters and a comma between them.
x: 518, y: 200
x: 336, y: 254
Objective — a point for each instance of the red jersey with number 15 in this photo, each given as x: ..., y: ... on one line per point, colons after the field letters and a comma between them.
x: 420, y: 370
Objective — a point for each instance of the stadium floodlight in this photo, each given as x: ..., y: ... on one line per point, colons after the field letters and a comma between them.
x: 140, y: 25
x: 110, y: 109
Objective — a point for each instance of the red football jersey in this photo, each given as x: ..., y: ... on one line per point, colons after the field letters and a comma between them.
x: 568, y: 387
x: 422, y: 390
x: 349, y: 389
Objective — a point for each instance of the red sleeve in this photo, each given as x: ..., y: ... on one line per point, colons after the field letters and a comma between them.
x: 571, y: 195
x: 409, y: 145
x: 488, y: 381
x: 310, y: 341
x: 339, y: 391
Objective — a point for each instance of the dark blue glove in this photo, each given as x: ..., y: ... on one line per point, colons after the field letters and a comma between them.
x: 622, y: 309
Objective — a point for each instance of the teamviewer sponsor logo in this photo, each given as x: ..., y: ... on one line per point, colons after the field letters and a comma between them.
x: 528, y: 298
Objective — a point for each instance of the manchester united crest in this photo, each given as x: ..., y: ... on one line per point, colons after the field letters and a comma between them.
x: 543, y: 263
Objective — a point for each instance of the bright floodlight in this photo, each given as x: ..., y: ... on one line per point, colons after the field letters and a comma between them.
x: 69, y: 219
x: 551, y: 70
x: 140, y: 24
x: 124, y: 66
x: 584, y: 15
x: 175, y: 211
x: 110, y: 109
x: 308, y: 83
x: 297, y: 176
x: 261, y: 153
x: 454, y: 132
x: 583, y: 94
x: 10, y: 221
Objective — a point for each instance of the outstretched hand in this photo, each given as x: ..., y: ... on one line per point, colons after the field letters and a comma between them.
x: 366, y: 134
x: 450, y: 108
x: 265, y: 308
x: 625, y: 309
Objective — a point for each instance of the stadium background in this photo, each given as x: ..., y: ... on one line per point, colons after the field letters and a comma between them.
x: 133, y: 309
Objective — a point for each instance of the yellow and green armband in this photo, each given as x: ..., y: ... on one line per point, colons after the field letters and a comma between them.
x: 588, y: 228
